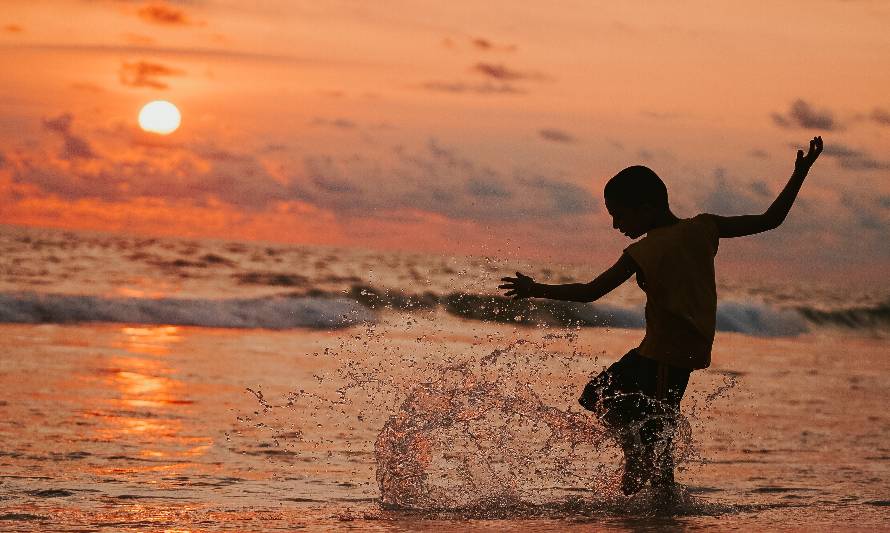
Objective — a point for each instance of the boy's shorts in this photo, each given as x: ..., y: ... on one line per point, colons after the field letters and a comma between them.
x: 635, y: 390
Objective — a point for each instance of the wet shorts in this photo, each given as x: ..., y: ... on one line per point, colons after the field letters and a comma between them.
x: 635, y: 389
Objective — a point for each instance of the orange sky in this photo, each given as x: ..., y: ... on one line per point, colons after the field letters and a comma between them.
x: 452, y: 127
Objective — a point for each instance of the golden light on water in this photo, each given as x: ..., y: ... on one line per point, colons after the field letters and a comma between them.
x: 159, y: 116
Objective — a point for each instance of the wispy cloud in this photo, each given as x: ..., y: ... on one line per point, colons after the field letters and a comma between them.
x: 459, y: 87
x: 503, y: 73
x: 853, y: 159
x: 881, y: 116
x: 342, y: 123
x: 726, y: 197
x: 74, y: 147
x: 556, y: 135
x: 803, y: 115
x: 481, y: 43
x: 146, y: 74
x: 758, y: 153
x: 165, y: 14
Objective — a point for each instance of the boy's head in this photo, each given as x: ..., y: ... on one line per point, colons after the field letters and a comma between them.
x: 635, y: 197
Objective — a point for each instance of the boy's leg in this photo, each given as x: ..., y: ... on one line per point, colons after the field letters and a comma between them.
x: 639, y: 399
x: 659, y: 431
x: 618, y: 398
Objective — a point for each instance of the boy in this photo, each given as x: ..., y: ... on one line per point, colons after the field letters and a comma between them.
x: 638, y: 397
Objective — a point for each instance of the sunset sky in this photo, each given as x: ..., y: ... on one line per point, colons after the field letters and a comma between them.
x: 450, y: 127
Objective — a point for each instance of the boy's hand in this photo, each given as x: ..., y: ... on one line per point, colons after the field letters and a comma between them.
x: 521, y: 286
x: 804, y: 162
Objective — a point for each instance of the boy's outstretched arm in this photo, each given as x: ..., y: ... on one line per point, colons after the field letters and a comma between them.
x: 750, y: 224
x: 523, y: 286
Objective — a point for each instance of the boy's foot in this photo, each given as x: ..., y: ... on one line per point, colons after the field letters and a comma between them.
x: 638, y: 464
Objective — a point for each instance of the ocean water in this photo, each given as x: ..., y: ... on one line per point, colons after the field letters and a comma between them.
x: 178, y: 385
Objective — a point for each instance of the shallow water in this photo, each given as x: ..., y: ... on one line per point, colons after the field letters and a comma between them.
x: 154, y: 428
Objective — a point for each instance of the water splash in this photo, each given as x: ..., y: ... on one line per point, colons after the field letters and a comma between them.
x: 488, y: 427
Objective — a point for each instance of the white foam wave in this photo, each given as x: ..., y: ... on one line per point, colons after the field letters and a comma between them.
x: 275, y: 312
x: 759, y: 320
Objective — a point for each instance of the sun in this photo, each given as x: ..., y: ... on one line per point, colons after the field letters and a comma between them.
x: 159, y: 116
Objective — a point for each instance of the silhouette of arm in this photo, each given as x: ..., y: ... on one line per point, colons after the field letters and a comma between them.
x: 523, y: 286
x: 774, y: 216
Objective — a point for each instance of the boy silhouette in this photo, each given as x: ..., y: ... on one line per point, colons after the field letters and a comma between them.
x: 638, y: 397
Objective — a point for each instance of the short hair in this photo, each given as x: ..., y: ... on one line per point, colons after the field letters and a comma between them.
x: 635, y: 186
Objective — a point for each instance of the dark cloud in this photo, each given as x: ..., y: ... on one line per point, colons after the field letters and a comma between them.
x: 881, y: 116
x: 481, y: 43
x: 567, y: 198
x: 503, y: 73
x: 74, y: 147
x: 475, y: 88
x: 804, y: 115
x: 555, y: 135
x: 165, y: 14
x: 13, y: 28
x: 871, y: 213
x: 852, y: 159
x: 487, y: 188
x: 727, y: 197
x: 146, y: 74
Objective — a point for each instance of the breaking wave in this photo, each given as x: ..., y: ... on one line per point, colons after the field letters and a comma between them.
x: 275, y: 312
x: 327, y: 309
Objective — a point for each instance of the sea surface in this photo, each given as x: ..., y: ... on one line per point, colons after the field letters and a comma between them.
x: 159, y: 384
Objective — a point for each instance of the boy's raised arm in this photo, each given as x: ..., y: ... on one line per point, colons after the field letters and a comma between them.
x: 750, y: 224
x: 523, y: 286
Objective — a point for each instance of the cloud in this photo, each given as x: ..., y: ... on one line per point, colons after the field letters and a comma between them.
x: 475, y: 88
x: 503, y: 73
x: 555, y: 135
x: 804, y: 115
x: 758, y: 153
x: 881, y: 116
x: 486, y: 45
x: 567, y: 198
x: 852, y: 159
x: 342, y: 123
x: 164, y: 14
x: 871, y: 213
x: 436, y: 179
x: 727, y: 197
x: 13, y: 28
x: 433, y: 179
x: 482, y: 188
x: 146, y: 74
x: 74, y: 147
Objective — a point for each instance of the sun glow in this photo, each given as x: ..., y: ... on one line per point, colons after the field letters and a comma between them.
x: 159, y: 116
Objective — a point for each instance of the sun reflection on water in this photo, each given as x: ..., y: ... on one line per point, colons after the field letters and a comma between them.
x: 144, y: 401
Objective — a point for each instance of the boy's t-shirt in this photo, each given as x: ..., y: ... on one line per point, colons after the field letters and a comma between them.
x: 677, y: 267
